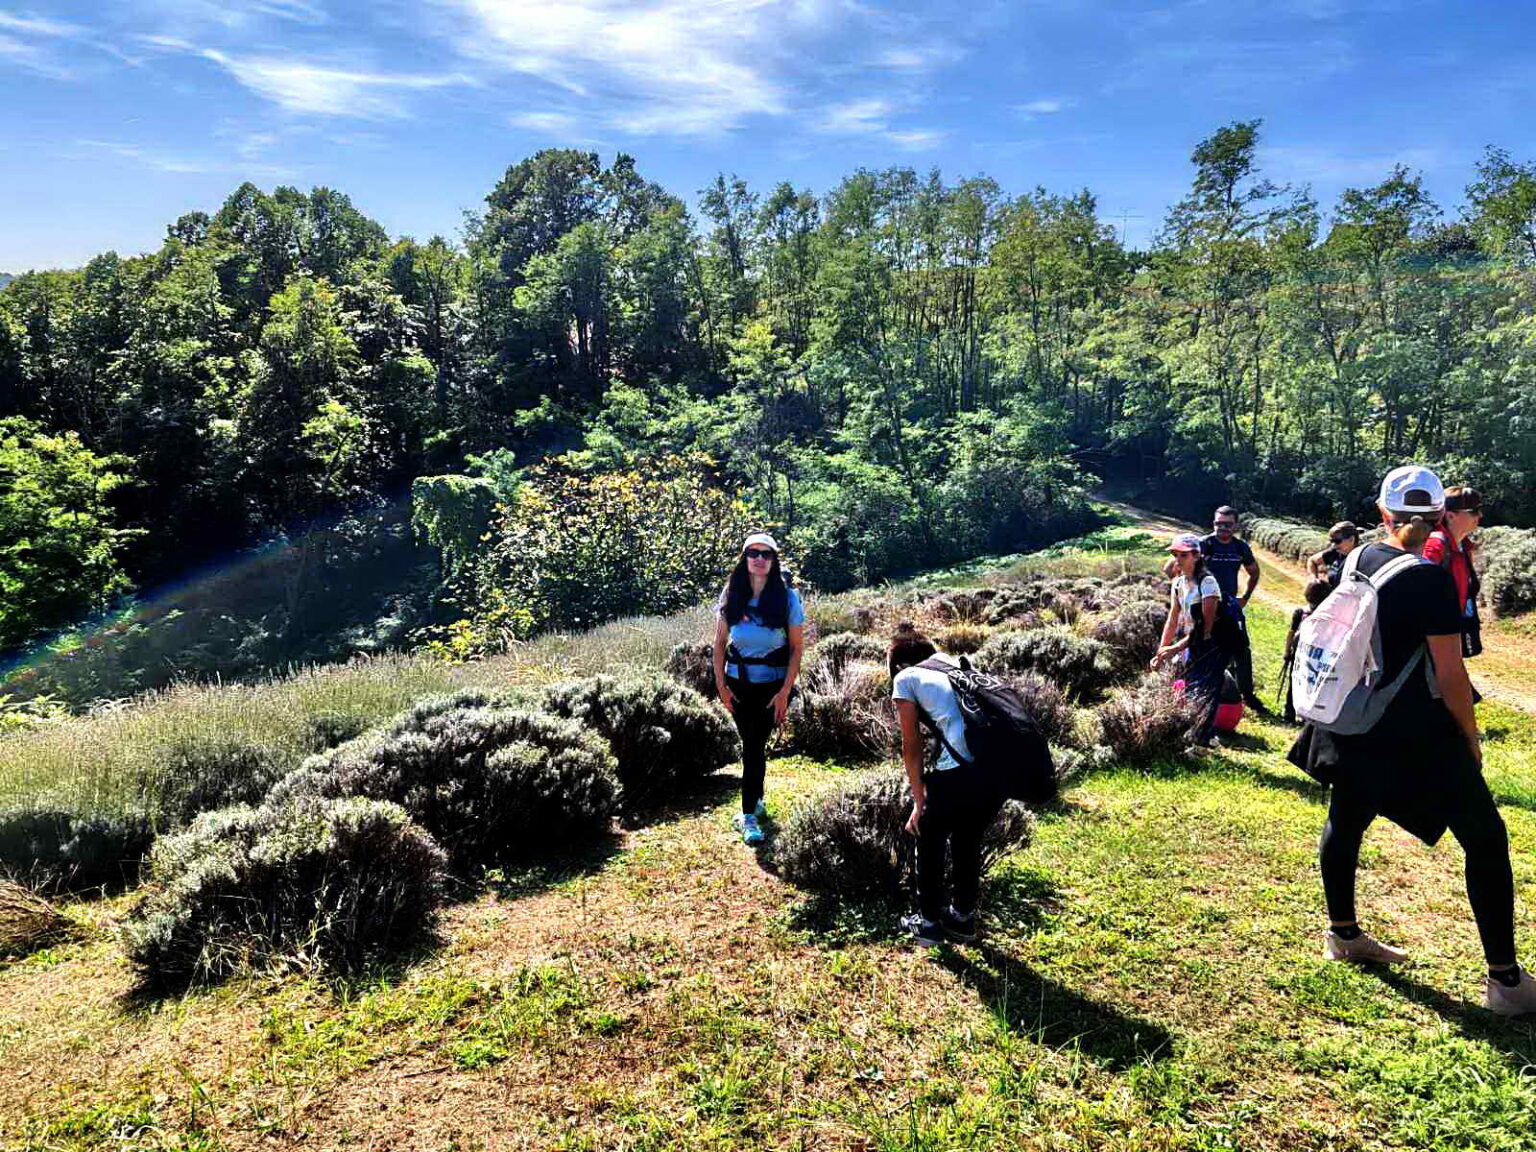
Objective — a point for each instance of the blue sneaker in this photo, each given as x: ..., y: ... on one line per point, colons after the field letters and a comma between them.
x: 761, y: 811
x: 746, y: 824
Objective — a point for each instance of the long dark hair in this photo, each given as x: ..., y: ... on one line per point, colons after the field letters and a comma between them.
x: 772, y: 606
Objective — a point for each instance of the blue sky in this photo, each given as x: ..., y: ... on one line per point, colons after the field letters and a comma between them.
x: 117, y: 117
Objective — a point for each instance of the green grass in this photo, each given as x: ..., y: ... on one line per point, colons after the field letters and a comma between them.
x: 1151, y: 980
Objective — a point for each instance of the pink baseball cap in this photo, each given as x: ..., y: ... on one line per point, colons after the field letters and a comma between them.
x: 1185, y: 542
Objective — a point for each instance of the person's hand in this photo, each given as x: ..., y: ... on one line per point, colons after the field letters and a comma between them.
x: 780, y: 706
x: 726, y: 698
x: 1157, y: 661
x: 917, y: 814
x: 1243, y: 600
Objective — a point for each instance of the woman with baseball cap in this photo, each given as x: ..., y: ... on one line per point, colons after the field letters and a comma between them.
x: 1194, y: 607
x: 759, y: 641
x: 1420, y: 766
x: 1328, y: 564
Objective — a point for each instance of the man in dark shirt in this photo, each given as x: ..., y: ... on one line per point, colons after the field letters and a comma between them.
x: 1226, y: 555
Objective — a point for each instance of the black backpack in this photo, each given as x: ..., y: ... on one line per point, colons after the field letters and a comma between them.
x: 1005, y: 743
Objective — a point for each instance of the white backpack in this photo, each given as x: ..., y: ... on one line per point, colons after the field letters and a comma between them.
x: 1338, y: 653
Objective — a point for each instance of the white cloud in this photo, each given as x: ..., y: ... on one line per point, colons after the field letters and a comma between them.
x: 315, y: 89
x: 181, y: 165
x: 38, y: 25
x: 546, y: 123
x: 917, y: 139
x: 656, y: 66
x: 1044, y: 107
x: 872, y: 118
x: 1306, y: 164
x: 856, y: 117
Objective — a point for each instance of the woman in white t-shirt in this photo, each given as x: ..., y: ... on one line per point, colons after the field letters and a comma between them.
x: 952, y: 804
x: 1194, y: 606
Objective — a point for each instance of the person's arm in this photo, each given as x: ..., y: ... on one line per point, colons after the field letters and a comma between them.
x: 912, y: 758
x: 1317, y: 567
x: 1250, y: 566
x: 796, y: 634
x: 722, y: 638
x: 1455, y: 687
x: 1434, y: 549
x: 1208, y: 608
x: 1166, y: 646
x: 1170, y: 567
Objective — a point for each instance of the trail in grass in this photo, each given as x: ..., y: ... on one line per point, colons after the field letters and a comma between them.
x: 1506, y: 670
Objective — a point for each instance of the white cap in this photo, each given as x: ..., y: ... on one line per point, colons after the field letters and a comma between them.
x: 762, y: 540
x: 1412, y: 488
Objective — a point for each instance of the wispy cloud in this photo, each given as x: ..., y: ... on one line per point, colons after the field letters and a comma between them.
x: 1309, y: 164
x: 872, y: 118
x: 30, y: 41
x: 187, y: 17
x: 315, y: 89
x: 162, y: 161
x: 678, y: 67
x: 1044, y: 107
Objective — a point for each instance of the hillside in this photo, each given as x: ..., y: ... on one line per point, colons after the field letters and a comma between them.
x: 1151, y: 978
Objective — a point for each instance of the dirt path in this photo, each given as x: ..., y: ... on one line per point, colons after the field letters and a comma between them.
x: 1506, y: 671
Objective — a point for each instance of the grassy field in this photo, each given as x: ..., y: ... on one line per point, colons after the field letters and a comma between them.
x: 1151, y: 980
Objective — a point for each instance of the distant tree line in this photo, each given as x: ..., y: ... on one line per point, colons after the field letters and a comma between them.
x: 902, y: 371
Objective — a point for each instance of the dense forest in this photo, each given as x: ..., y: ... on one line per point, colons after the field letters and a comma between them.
x: 570, y: 413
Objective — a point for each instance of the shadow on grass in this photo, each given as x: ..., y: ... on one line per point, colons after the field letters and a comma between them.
x: 1047, y: 1011
x: 1516, y: 1038
x: 696, y: 799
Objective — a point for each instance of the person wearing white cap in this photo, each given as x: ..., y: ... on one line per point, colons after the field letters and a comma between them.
x: 759, y: 641
x: 1194, y: 608
x: 1420, y: 765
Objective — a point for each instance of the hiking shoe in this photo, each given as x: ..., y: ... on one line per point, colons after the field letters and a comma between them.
x: 1516, y: 1001
x: 925, y: 933
x: 746, y: 824
x: 1363, y: 949
x: 961, y: 929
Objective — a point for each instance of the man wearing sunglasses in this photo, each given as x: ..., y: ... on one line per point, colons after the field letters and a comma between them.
x: 1226, y: 555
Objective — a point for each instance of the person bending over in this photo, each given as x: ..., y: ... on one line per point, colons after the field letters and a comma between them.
x: 759, y: 642
x: 953, y: 802
x: 1420, y: 765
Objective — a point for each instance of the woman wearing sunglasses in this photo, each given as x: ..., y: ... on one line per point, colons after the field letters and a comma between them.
x: 759, y: 640
x: 1451, y: 546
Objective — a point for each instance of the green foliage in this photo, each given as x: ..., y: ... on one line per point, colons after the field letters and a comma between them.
x: 1508, y: 560
x: 71, y: 851
x: 27, y: 921
x: 491, y: 780
x: 59, y: 545
x: 852, y: 842
x: 835, y: 651
x: 663, y: 736
x: 1133, y: 631
x: 692, y: 664
x: 453, y: 513
x: 575, y: 548
x: 1080, y: 665
x: 1286, y: 537
x: 332, y: 883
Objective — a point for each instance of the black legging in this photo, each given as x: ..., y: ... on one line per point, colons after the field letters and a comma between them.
x: 1242, y: 655
x: 753, y: 712
x: 1475, y: 822
x: 956, y: 815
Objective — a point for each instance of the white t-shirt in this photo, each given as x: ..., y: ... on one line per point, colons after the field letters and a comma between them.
x: 932, y: 692
x: 1189, y: 597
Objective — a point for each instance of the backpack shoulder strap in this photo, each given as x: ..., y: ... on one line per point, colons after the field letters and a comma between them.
x: 933, y: 665
x: 1393, y: 567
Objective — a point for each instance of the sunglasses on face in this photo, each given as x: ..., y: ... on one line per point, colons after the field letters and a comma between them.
x: 758, y: 554
x: 1225, y: 526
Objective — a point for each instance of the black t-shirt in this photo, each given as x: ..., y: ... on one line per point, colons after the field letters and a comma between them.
x: 1333, y: 559
x: 1226, y: 560
x: 1415, y: 604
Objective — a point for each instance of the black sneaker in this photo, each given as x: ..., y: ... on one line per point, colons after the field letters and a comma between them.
x: 925, y: 933
x: 961, y: 929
